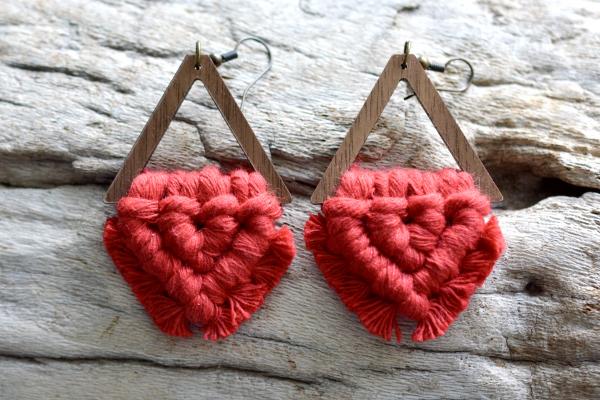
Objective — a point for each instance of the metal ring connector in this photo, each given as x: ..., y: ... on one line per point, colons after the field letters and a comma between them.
x: 197, y: 54
x: 406, y: 54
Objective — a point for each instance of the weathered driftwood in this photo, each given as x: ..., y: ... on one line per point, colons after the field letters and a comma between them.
x: 67, y: 316
x: 78, y: 80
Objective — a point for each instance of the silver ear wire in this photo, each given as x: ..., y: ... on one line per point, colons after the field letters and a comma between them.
x: 233, y: 54
x: 266, y: 70
x: 433, y: 66
x: 438, y: 67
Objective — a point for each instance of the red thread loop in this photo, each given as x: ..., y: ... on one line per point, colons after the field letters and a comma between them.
x: 199, y: 248
x: 405, y: 242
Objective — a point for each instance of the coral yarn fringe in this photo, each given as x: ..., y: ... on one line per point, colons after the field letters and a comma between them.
x: 199, y: 248
x: 405, y: 242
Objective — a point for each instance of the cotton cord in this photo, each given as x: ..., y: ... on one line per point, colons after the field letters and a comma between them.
x: 405, y: 242
x: 199, y: 249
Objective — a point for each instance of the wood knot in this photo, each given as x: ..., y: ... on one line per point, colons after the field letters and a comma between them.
x: 534, y: 288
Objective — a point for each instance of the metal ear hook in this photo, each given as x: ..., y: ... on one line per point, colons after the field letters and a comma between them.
x: 437, y: 67
x: 233, y: 54
x: 442, y: 68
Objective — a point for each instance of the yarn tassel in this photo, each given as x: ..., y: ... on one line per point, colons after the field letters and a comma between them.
x: 199, y: 248
x: 454, y: 296
x: 167, y: 314
x: 378, y: 317
x: 270, y: 269
x: 242, y: 302
x: 405, y: 242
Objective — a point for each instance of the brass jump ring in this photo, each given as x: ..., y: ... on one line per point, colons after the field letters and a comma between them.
x: 406, y: 54
x: 197, y: 54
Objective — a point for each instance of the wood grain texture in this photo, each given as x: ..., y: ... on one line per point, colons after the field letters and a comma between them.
x: 78, y: 80
x: 67, y: 316
x: 402, y: 68
x: 109, y: 64
x: 190, y: 71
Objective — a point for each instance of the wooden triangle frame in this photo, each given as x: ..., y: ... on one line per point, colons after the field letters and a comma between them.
x: 414, y: 74
x: 165, y: 111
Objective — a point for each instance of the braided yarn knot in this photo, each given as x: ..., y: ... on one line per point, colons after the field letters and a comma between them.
x: 199, y: 248
x: 405, y: 242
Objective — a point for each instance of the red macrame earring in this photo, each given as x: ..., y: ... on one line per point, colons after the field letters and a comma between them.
x: 405, y: 242
x: 199, y: 248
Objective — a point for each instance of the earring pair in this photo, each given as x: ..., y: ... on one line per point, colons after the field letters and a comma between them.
x: 202, y: 248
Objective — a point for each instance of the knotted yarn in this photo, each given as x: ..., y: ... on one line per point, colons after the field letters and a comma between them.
x: 405, y: 242
x: 199, y: 248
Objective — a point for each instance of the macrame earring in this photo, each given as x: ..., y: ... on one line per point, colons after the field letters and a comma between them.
x: 199, y: 248
x: 405, y: 242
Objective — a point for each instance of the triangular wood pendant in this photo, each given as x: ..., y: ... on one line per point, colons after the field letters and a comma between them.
x: 405, y: 68
x: 166, y: 110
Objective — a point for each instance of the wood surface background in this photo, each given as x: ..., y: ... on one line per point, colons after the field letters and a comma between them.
x: 78, y: 80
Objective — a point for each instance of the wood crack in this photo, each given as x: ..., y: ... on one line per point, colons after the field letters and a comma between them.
x: 72, y: 73
x: 152, y: 363
x: 14, y: 103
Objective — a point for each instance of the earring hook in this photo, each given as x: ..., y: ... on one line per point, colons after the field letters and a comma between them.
x: 233, y: 54
x: 265, y: 71
x: 469, y: 78
x: 442, y: 68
